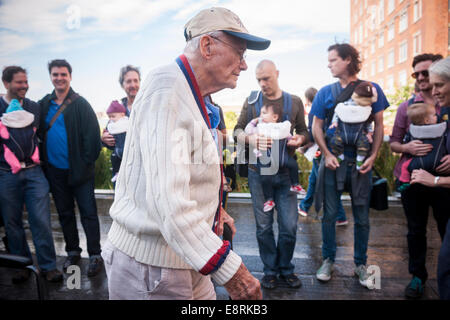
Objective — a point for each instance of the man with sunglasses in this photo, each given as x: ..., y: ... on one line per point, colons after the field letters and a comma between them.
x: 417, y: 199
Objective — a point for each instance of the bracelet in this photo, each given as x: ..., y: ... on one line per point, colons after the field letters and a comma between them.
x: 436, y: 179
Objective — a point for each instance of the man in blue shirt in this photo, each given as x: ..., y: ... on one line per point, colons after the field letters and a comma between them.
x: 344, y: 64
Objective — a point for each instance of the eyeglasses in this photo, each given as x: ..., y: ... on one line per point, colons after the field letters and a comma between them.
x: 242, y: 55
x: 425, y: 73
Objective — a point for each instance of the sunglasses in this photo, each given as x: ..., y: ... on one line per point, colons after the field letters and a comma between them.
x: 425, y: 73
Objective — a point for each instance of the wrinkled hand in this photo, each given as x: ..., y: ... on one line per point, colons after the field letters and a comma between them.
x: 331, y: 162
x: 225, y: 218
x: 367, y: 165
x: 108, y: 139
x: 243, y: 286
x: 418, y: 148
x: 444, y: 167
x: 423, y: 177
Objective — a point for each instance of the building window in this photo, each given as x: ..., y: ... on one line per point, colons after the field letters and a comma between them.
x: 390, y: 83
x: 418, y: 10
x: 373, y: 68
x: 391, y: 58
x: 417, y: 43
x: 361, y: 33
x: 403, y: 52
x: 373, y: 44
x: 391, y: 31
x: 381, y: 40
x: 402, y: 78
x: 403, y: 23
x: 381, y: 64
x: 391, y: 6
x: 381, y: 11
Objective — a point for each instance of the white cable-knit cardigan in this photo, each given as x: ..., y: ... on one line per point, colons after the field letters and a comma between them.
x: 167, y: 190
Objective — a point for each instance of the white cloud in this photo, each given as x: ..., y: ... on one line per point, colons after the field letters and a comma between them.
x: 12, y: 43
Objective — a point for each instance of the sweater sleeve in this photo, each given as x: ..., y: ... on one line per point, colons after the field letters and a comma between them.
x: 168, y: 138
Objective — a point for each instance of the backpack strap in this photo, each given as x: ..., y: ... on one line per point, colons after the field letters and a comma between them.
x: 287, y: 105
x: 256, y: 100
x: 345, y: 95
x: 66, y: 102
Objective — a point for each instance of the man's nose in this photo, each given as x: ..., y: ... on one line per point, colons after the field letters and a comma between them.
x: 243, y: 65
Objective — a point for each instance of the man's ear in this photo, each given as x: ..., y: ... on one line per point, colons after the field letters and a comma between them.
x: 205, y: 47
x: 6, y: 85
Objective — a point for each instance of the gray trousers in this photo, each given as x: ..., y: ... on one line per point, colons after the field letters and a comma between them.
x: 129, y: 279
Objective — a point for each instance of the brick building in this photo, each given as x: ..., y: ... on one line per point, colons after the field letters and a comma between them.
x: 389, y: 33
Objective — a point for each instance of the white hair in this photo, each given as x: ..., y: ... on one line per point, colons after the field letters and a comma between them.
x: 193, y: 44
x: 441, y: 68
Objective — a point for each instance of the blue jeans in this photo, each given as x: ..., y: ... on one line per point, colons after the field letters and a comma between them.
x: 308, y: 200
x: 275, y: 255
x: 330, y: 211
x: 28, y: 187
x: 64, y: 196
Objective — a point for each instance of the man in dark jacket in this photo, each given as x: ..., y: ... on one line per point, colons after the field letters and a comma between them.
x: 27, y: 186
x: 71, y: 135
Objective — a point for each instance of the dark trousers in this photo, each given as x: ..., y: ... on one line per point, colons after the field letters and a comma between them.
x: 416, y: 201
x: 64, y: 196
x: 444, y: 267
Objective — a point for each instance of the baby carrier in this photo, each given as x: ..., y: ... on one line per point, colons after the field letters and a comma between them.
x: 435, y: 135
x: 18, y: 137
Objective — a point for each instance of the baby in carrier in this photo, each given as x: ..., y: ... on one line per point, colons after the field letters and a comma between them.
x: 18, y: 137
x: 351, y: 122
x: 424, y: 127
x: 268, y: 125
x: 117, y: 126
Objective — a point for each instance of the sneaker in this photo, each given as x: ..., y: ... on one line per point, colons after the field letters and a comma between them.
x: 340, y: 223
x: 292, y: 280
x: 301, y: 211
x: 95, y: 265
x: 324, y: 272
x: 364, y: 280
x: 268, y: 205
x: 71, y: 260
x: 53, y: 275
x: 414, y: 290
x: 269, y: 282
x: 21, y: 276
x: 298, y: 189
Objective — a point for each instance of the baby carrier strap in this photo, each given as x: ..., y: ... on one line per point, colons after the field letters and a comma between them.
x: 255, y: 100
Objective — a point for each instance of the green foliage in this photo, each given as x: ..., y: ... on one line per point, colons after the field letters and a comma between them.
x: 103, y: 170
x: 385, y: 164
x: 401, y: 94
x: 230, y: 120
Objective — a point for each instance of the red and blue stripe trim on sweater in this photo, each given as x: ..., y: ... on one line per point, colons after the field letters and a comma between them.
x: 217, y: 259
x: 185, y: 67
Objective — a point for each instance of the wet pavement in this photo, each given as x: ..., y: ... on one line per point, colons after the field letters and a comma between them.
x: 387, y: 250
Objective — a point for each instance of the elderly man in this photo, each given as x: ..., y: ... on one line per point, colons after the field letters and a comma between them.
x: 276, y: 256
x: 164, y: 240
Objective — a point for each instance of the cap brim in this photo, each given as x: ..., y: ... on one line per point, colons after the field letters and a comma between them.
x: 253, y: 42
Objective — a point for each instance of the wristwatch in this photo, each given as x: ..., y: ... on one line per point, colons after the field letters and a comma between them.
x: 436, y: 179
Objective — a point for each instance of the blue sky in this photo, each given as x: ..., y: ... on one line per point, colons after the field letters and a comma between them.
x: 98, y: 37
